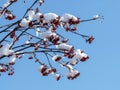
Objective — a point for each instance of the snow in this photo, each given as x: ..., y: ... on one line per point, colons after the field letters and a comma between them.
x: 24, y: 22
x: 50, y: 16
x: 64, y: 46
x: 55, y: 57
x: 31, y: 14
x: 37, y: 31
x: 12, y: 59
x: 69, y: 66
x: 6, y: 4
x: 66, y: 17
x: 37, y: 15
x: 47, y: 34
x: 73, y: 61
x: 1, y: 67
x: 79, y: 54
x: 95, y: 16
x: 5, y: 50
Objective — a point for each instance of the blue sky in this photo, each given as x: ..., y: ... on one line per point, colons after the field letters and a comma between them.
x: 100, y: 72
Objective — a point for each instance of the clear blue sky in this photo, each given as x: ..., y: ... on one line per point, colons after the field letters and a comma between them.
x: 100, y: 72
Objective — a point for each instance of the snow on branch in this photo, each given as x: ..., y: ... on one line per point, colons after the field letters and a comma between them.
x: 36, y: 34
